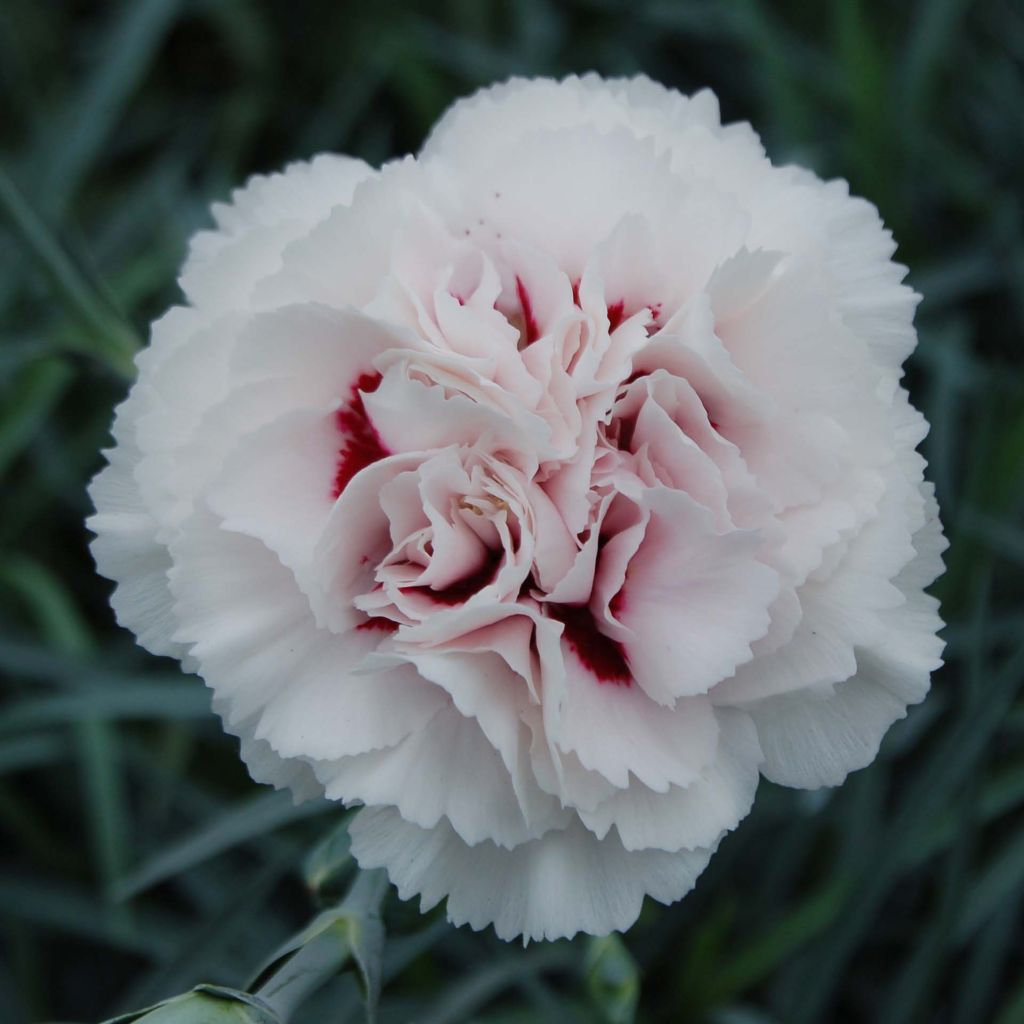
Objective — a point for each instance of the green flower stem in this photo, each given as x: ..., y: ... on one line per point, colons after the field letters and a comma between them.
x: 350, y: 934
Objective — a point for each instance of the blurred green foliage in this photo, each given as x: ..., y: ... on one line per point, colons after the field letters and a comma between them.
x: 137, y: 860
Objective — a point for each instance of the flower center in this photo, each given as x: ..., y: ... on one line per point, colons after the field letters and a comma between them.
x: 463, y: 589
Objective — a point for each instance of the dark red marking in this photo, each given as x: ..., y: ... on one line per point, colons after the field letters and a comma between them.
x: 600, y: 655
x: 531, y: 332
x: 378, y: 623
x: 576, y: 291
x: 362, y: 445
x: 618, y: 602
x: 462, y: 590
x: 627, y: 426
x: 616, y: 314
x: 653, y: 326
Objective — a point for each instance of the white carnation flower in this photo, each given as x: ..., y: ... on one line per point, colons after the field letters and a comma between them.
x: 539, y: 494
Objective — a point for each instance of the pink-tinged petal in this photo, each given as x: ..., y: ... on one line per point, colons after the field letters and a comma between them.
x: 568, y: 485
x: 615, y: 284
x: 483, y: 683
x: 189, y: 470
x: 401, y: 505
x: 550, y: 888
x: 537, y: 295
x: 818, y: 653
x: 693, y: 816
x: 788, y: 343
x: 560, y: 772
x: 626, y: 528
x: 422, y: 263
x: 694, y: 600
x: 321, y: 351
x: 254, y: 640
x: 446, y: 770
x: 354, y: 540
x: 503, y: 185
x: 278, y: 485
x: 414, y: 415
x: 459, y: 562
x: 476, y: 378
x: 649, y: 411
x: 799, y: 213
x: 530, y: 330
x: 450, y: 622
x: 555, y: 548
x: 614, y: 728
x: 577, y: 584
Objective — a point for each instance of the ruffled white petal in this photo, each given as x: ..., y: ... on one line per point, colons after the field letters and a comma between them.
x: 693, y: 816
x: 125, y: 546
x: 224, y: 265
x: 817, y: 736
x: 253, y: 637
x: 447, y: 769
x: 549, y: 888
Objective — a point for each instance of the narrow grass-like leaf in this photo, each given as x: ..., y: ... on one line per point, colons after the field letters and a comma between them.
x: 919, y: 973
x: 35, y: 390
x: 476, y: 989
x: 988, y: 958
x: 48, y: 603
x: 21, y: 753
x: 176, y: 700
x: 104, y: 334
x: 72, y: 910
x: 939, y: 776
x: 351, y: 931
x: 85, y: 127
x: 797, y: 927
x: 998, y: 882
x: 203, y: 949
x: 252, y: 819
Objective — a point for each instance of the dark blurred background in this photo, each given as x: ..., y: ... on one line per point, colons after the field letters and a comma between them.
x: 136, y: 858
